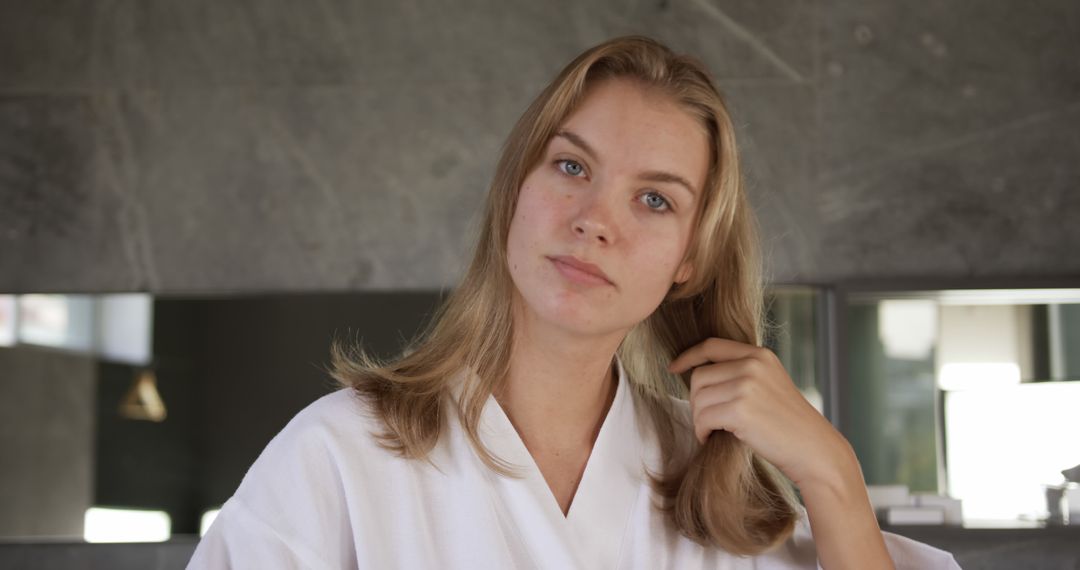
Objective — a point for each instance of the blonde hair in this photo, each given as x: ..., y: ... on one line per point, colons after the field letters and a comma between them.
x: 722, y: 494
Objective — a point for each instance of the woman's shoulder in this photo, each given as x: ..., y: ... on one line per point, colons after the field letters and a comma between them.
x: 336, y: 428
x: 291, y: 499
x: 342, y: 408
x: 341, y: 417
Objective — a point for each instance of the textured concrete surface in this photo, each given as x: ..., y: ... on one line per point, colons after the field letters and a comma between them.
x: 46, y: 442
x: 270, y: 145
x: 950, y: 141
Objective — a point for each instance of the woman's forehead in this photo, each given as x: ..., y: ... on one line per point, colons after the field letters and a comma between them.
x: 622, y: 124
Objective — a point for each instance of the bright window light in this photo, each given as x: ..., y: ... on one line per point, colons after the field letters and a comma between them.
x: 125, y: 327
x: 1006, y: 444
x: 957, y: 376
x: 43, y: 319
x: 908, y: 328
x: 58, y: 321
x: 1008, y: 296
x: 126, y: 525
x: 207, y: 520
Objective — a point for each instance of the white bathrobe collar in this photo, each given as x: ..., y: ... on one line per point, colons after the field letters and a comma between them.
x: 591, y: 534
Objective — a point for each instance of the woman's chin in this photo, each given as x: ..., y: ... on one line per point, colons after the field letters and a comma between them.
x: 581, y: 322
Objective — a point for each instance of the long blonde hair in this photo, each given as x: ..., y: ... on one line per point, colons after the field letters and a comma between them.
x: 722, y: 494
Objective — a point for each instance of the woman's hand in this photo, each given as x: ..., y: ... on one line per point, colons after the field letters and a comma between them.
x: 744, y: 389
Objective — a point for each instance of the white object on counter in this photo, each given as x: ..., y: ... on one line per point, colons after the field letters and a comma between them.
x: 1072, y: 499
x: 953, y: 508
x: 885, y: 496
x: 913, y: 515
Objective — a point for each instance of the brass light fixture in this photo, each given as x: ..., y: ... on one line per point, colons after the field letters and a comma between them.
x: 142, y: 401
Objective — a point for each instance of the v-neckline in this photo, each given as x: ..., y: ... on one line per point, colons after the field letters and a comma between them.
x: 533, y: 467
x: 610, y: 485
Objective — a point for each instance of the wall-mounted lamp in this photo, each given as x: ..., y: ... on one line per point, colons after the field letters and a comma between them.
x: 142, y: 401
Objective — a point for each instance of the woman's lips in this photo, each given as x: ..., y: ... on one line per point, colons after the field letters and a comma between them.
x: 578, y: 271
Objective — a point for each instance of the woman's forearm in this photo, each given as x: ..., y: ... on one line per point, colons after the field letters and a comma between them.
x: 842, y: 519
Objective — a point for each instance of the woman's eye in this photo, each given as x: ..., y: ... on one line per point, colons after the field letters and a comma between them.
x: 569, y: 166
x: 656, y: 202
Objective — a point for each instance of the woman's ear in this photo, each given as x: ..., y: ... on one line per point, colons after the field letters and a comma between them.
x: 684, y: 272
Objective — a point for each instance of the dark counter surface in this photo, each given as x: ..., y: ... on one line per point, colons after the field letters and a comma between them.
x: 1049, y: 548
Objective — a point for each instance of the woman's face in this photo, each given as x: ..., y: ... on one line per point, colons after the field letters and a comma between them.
x: 609, y: 192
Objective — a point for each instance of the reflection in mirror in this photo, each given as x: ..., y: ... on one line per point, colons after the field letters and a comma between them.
x: 971, y: 393
x: 793, y: 316
x: 129, y: 418
x: 93, y: 418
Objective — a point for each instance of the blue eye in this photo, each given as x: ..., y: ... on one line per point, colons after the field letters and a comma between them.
x: 656, y: 202
x: 573, y: 168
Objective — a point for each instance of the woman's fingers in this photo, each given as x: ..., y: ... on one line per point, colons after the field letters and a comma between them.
x: 721, y: 393
x: 720, y: 416
x: 712, y: 408
x: 710, y: 374
x: 742, y: 389
x: 712, y: 350
x: 745, y: 390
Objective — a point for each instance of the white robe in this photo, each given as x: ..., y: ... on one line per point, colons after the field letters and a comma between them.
x: 323, y: 495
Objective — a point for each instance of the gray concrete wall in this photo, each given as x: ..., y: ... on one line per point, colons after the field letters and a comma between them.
x: 46, y: 442
x: 334, y: 145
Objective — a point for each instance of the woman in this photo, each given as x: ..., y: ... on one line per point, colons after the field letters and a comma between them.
x: 539, y: 422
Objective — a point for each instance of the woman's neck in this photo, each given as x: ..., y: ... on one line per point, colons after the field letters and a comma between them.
x: 559, y: 387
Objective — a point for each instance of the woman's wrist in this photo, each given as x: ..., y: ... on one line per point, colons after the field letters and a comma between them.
x: 834, y: 472
x: 841, y: 516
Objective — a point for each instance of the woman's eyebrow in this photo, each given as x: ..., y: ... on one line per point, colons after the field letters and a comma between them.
x: 662, y: 176
x: 650, y: 175
x: 579, y: 142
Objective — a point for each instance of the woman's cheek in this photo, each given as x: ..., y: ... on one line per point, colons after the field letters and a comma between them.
x: 664, y: 261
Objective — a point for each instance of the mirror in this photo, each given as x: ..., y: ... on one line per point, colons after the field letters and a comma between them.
x: 973, y: 393
x: 130, y: 418
x: 79, y: 424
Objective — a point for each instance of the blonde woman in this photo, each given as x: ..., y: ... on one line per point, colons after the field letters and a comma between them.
x: 593, y: 394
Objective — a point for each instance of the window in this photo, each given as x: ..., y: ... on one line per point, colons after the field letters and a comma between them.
x: 971, y: 393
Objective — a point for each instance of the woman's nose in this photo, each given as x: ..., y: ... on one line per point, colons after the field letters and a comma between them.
x: 594, y: 221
